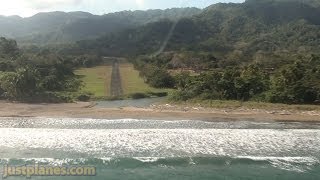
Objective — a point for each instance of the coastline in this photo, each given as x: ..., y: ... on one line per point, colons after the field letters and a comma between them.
x: 159, y: 112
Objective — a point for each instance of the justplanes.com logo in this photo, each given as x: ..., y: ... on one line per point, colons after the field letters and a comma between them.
x: 37, y: 170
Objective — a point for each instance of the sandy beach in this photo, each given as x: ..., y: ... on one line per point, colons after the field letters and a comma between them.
x: 165, y: 111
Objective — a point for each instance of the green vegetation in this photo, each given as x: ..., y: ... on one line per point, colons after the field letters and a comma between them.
x: 134, y: 85
x: 38, y: 77
x: 294, y: 83
x: 259, y: 50
x: 96, y: 80
x: 263, y: 31
x: 41, y: 29
x: 132, y: 82
x: 236, y: 51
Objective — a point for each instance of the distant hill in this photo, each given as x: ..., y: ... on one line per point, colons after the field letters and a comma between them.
x: 314, y: 3
x: 61, y: 27
x: 236, y: 31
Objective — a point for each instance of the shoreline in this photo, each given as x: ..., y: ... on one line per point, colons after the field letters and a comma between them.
x: 159, y: 112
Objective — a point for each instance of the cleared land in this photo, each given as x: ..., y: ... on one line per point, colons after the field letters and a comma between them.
x: 97, y: 80
x: 133, y: 83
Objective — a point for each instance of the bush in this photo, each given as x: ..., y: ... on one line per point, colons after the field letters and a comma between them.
x: 161, y: 79
x: 181, y: 96
x: 159, y: 94
x: 138, y: 96
x: 84, y: 97
x: 295, y: 83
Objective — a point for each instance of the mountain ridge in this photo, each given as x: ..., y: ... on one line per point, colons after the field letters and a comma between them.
x: 237, y: 31
x: 65, y: 27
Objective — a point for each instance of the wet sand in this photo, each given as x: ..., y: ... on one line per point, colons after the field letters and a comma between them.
x: 167, y: 112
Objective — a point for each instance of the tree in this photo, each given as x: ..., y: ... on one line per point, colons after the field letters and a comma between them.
x: 8, y: 48
x: 160, y: 78
x: 227, y: 83
x: 8, y: 84
x: 295, y: 84
x: 183, y: 80
x: 252, y: 81
x: 22, y: 83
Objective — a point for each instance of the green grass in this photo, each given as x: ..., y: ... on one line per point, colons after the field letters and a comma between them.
x: 133, y: 83
x: 96, y: 79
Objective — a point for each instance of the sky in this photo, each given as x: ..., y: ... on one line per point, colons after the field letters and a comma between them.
x: 26, y: 8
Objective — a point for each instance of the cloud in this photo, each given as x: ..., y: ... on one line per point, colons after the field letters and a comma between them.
x: 130, y: 2
x: 48, y: 4
x: 140, y: 3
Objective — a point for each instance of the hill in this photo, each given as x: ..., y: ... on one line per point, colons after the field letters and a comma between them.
x: 62, y: 27
x: 254, y: 30
x: 260, y: 50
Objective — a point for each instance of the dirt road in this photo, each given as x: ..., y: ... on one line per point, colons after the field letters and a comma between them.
x: 116, y: 86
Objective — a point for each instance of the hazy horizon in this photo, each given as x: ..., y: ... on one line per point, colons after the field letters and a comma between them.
x: 27, y: 8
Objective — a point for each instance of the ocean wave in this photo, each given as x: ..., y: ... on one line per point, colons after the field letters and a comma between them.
x: 127, y: 123
x: 297, y: 164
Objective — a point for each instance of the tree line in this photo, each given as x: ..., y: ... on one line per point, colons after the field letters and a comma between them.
x: 293, y: 83
x: 38, y: 74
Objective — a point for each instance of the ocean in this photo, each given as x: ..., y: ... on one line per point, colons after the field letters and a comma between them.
x: 159, y: 150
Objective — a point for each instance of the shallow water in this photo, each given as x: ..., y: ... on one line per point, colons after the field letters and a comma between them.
x: 150, y: 149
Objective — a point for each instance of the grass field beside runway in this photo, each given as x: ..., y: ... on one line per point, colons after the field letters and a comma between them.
x: 97, y: 80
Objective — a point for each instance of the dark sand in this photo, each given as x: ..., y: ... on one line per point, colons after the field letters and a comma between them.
x: 167, y: 112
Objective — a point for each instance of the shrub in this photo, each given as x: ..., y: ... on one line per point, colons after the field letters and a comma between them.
x: 84, y: 97
x: 138, y: 96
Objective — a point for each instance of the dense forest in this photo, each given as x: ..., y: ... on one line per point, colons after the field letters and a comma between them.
x: 60, y: 27
x: 41, y: 76
x: 261, y: 50
x: 258, y: 50
x: 247, y: 30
